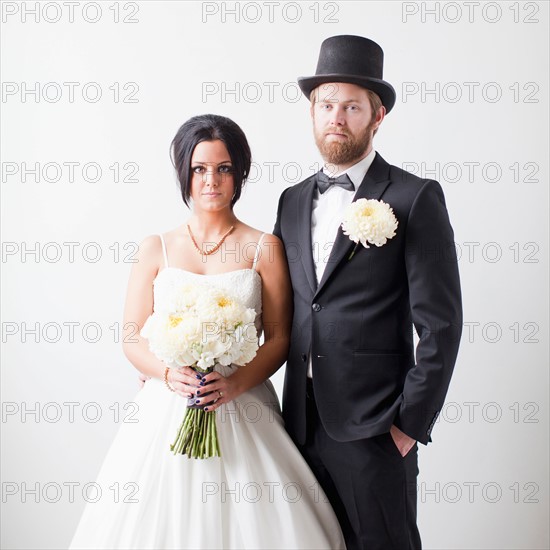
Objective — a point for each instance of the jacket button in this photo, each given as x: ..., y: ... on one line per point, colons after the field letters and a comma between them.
x: 316, y: 307
x: 304, y: 357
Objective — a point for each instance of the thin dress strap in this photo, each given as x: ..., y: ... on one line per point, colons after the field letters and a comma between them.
x: 164, y: 250
x: 258, y: 251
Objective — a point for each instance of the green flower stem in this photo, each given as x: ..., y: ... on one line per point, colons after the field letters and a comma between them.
x: 353, y: 251
x: 197, y: 436
x: 208, y: 446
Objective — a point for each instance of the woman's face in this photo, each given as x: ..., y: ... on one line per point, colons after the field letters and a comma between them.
x: 212, y: 184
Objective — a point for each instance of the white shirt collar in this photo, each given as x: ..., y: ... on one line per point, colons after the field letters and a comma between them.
x: 357, y: 172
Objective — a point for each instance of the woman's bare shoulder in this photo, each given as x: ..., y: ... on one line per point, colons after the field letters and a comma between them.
x: 150, y: 245
x: 150, y: 252
x: 154, y: 243
x: 271, y: 248
x: 252, y: 234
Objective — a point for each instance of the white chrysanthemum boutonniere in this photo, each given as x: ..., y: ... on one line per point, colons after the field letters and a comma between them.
x: 369, y: 221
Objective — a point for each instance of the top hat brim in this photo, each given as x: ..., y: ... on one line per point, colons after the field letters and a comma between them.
x: 384, y: 89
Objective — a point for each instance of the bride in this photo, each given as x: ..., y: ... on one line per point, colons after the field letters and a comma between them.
x: 260, y: 493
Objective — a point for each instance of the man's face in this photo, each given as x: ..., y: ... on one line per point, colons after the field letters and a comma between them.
x: 343, y: 122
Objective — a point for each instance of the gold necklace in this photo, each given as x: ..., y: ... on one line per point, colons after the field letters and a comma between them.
x: 212, y: 250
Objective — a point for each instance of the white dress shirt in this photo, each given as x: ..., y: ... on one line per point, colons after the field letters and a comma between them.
x: 327, y: 213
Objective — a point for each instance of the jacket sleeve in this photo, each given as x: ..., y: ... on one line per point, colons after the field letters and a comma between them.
x: 436, y: 309
x: 277, y: 227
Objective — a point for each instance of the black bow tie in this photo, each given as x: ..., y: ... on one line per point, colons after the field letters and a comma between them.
x: 324, y: 182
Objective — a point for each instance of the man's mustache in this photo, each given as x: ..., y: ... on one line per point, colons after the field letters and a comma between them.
x: 340, y: 132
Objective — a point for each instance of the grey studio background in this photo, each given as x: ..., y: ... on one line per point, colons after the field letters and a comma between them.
x: 92, y: 95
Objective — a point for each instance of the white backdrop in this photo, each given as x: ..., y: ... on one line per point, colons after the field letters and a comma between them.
x: 93, y: 93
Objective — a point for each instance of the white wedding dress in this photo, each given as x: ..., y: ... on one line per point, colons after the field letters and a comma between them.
x: 259, y: 494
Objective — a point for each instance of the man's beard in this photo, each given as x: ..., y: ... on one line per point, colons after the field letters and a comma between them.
x: 345, y: 151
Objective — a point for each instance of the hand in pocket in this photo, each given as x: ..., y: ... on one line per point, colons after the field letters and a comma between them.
x: 402, y: 441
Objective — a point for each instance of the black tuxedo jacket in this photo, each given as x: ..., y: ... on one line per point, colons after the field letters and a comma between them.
x: 357, y: 321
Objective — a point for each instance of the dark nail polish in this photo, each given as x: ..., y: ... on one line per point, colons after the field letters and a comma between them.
x: 198, y: 392
x: 197, y: 401
x: 206, y: 408
x: 198, y: 376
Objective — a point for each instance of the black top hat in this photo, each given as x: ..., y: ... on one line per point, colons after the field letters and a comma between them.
x: 352, y: 59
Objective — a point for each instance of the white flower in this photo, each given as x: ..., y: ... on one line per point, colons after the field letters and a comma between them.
x: 369, y: 221
x: 204, y: 325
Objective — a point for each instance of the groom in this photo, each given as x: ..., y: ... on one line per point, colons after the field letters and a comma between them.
x: 356, y: 399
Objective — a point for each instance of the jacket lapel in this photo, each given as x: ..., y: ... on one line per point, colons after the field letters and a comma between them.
x: 373, y: 185
x: 305, y: 201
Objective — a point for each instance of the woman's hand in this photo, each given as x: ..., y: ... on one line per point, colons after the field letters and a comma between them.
x: 142, y: 378
x: 215, y: 390
x: 184, y: 380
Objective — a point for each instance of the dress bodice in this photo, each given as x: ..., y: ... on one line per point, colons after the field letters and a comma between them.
x: 244, y: 284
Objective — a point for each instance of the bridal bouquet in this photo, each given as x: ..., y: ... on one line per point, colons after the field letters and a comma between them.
x: 201, y: 327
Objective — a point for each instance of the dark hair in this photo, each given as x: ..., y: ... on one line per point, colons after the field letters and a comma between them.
x: 209, y: 128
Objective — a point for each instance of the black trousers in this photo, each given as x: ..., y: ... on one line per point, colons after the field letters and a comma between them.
x: 370, y: 486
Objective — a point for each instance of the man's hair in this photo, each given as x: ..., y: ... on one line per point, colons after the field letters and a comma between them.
x: 374, y: 100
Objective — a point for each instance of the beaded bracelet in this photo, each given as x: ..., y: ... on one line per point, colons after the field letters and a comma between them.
x: 166, y: 379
